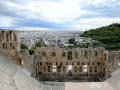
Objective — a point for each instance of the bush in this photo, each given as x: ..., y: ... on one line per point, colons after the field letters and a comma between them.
x: 23, y: 46
x: 31, y: 51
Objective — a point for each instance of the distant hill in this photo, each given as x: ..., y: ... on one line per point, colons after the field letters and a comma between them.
x: 108, y: 35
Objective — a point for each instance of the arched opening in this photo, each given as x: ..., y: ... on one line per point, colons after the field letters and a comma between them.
x: 75, y: 54
x: 59, y: 68
x: 85, y: 69
x: 98, y: 63
x: 48, y: 68
x: 3, y: 45
x: 54, y: 68
x: 63, y: 54
x: 80, y: 69
x: 70, y: 55
x: 85, y: 54
x: 69, y: 70
x: 91, y: 69
x: 6, y: 46
x: 10, y: 35
x: 11, y: 46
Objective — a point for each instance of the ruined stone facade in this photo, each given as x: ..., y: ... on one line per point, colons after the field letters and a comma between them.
x: 112, y: 61
x: 61, y: 61
x: 9, y: 44
x: 90, y: 61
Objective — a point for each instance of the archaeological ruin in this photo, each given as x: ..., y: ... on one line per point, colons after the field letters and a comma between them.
x: 55, y: 61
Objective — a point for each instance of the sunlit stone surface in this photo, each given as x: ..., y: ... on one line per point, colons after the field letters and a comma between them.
x: 88, y: 86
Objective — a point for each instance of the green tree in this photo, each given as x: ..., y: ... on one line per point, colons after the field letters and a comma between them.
x: 23, y: 46
x: 72, y: 41
x: 31, y: 51
x: 108, y: 35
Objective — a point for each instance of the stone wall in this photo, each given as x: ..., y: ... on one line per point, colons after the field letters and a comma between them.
x: 80, y: 59
x: 9, y: 44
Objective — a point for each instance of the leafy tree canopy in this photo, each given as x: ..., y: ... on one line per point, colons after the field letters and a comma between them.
x: 108, y: 35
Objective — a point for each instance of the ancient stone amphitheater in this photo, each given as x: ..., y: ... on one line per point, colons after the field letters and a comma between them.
x: 13, y: 77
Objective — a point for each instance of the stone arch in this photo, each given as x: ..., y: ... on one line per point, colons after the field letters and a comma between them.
x: 80, y: 69
x: 59, y: 68
x: 11, y: 46
x: 90, y: 68
x: 48, y: 68
x: 98, y: 63
x: 40, y: 63
x: 88, y: 63
x: 10, y: 35
x: 3, y: 45
x: 85, y: 54
x: 69, y: 55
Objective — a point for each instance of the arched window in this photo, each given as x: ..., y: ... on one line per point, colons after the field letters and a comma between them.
x: 59, y: 69
x: 80, y: 69
x: 75, y: 54
x: 96, y: 53
x: 50, y: 63
x: 63, y: 54
x: 85, y: 54
x: 90, y: 69
x: 3, y: 45
x: 11, y: 46
x: 48, y: 68
x: 98, y: 63
x: 70, y: 55
x: 60, y: 63
x: 53, y: 54
x: 78, y: 63
x: 56, y: 63
x: 40, y: 63
x: 88, y: 63
x: 10, y: 35
x: 43, y: 54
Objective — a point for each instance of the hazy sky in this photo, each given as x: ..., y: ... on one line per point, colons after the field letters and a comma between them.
x: 59, y: 14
